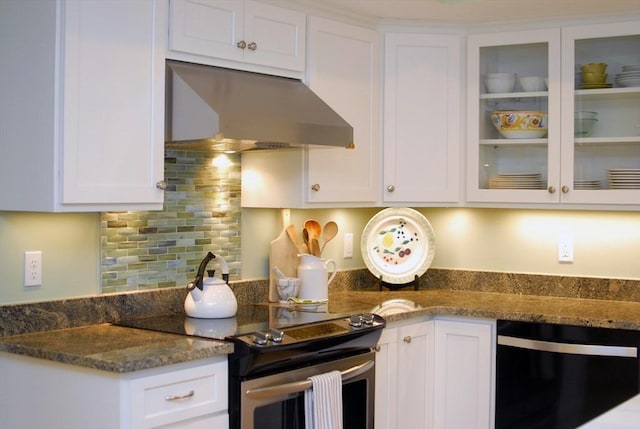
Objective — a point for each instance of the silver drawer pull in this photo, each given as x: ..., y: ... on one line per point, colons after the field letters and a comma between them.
x: 180, y: 397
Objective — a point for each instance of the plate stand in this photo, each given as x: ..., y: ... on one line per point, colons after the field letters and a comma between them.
x: 392, y: 286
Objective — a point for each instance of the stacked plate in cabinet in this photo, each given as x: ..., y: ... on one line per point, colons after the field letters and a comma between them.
x: 517, y: 181
x: 624, y: 178
x: 630, y: 76
x: 583, y: 185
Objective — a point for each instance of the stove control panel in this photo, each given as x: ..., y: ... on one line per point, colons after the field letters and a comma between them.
x: 314, y: 331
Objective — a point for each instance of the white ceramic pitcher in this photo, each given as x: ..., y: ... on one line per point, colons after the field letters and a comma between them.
x: 315, y: 277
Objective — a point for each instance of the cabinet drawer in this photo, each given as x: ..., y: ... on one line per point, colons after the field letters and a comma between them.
x: 178, y: 395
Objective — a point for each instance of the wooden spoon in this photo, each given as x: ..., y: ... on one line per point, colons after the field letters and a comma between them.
x: 314, y: 228
x: 329, y: 232
x: 314, y: 247
x: 305, y: 237
x: 293, y: 235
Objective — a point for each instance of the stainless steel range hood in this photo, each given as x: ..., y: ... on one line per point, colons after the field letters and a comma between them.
x: 212, y: 108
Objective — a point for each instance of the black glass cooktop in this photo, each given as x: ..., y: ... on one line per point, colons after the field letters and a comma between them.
x: 248, y: 319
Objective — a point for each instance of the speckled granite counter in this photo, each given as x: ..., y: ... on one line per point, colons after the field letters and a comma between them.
x: 113, y: 348
x: 532, y: 308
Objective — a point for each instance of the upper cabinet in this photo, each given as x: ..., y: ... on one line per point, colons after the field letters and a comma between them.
x: 601, y: 114
x: 343, y: 70
x: 422, y: 118
x: 82, y: 106
x: 513, y: 84
x: 574, y: 139
x: 242, y: 34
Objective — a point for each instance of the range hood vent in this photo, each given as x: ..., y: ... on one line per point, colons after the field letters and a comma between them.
x: 213, y: 108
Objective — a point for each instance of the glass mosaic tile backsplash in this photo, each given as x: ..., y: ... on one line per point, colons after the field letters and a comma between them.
x: 154, y: 249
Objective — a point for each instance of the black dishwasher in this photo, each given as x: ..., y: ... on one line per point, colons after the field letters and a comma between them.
x: 559, y: 376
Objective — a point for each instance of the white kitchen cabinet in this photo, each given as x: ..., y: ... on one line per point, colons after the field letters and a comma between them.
x: 343, y: 70
x: 82, y: 106
x: 464, y: 372
x: 36, y: 393
x: 603, y: 167
x: 573, y: 168
x: 436, y: 374
x: 422, y: 118
x: 237, y: 34
x: 404, y: 374
x: 492, y: 158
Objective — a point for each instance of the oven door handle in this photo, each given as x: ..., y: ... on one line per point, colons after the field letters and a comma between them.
x: 301, y: 386
x: 567, y: 348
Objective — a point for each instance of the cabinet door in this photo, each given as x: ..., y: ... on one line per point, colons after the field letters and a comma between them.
x: 386, y: 383
x: 275, y: 36
x: 522, y: 165
x: 343, y: 71
x: 601, y: 156
x: 414, y: 375
x: 464, y: 368
x: 92, y: 99
x: 422, y: 119
x: 240, y: 31
x: 207, y: 27
x: 113, y: 117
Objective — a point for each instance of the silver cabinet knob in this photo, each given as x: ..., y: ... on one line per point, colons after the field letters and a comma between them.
x: 161, y: 185
x: 551, y: 189
x: 377, y: 348
x: 241, y: 44
x: 391, y: 188
x: 407, y: 339
x: 252, y: 46
x: 564, y: 189
x: 315, y: 187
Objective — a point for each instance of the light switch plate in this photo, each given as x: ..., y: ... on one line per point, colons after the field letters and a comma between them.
x: 565, y: 249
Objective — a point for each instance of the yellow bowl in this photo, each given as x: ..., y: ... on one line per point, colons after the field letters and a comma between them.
x: 520, y: 124
x: 594, y: 67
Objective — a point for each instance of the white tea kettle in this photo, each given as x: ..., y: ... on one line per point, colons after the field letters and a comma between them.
x: 210, y: 298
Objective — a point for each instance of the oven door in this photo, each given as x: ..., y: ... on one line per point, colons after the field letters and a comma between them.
x: 277, y: 401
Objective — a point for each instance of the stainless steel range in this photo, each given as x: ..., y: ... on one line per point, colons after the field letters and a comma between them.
x: 276, y: 350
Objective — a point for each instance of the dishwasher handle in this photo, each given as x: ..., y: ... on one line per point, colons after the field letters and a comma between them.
x: 302, y: 385
x: 567, y: 348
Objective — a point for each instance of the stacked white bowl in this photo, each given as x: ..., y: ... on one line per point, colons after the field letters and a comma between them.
x: 500, y: 82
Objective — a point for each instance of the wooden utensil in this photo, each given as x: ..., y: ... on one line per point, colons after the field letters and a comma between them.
x: 305, y: 238
x: 314, y: 247
x: 314, y: 228
x: 295, y: 239
x: 329, y: 232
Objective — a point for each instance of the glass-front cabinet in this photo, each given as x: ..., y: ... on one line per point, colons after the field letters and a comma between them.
x: 554, y: 116
x: 514, y: 116
x: 601, y: 114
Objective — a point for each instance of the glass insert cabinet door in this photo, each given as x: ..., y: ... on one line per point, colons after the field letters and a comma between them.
x: 601, y: 114
x: 514, y: 117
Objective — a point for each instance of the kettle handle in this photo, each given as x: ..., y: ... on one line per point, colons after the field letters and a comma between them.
x: 198, y: 281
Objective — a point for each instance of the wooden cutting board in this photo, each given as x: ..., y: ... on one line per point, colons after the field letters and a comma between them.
x: 284, y: 255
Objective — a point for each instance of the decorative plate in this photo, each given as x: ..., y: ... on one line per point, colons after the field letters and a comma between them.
x: 398, y: 244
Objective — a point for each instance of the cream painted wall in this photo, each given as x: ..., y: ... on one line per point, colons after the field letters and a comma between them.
x: 70, y: 255
x: 607, y: 244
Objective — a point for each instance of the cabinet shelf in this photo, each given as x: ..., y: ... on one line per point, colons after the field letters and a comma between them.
x: 514, y: 95
x: 514, y: 142
x: 631, y: 91
x: 607, y: 140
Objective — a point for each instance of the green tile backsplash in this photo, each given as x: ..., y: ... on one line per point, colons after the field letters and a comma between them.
x: 155, y: 249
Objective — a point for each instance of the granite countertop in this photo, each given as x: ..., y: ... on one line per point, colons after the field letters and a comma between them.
x: 113, y: 348
x: 118, y: 349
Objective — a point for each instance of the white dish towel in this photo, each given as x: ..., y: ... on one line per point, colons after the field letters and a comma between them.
x: 323, y: 402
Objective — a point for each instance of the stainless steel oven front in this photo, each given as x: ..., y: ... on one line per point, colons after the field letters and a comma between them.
x: 277, y: 401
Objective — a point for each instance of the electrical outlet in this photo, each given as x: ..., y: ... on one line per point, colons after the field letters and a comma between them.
x: 348, y: 245
x: 565, y: 249
x: 33, y: 268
